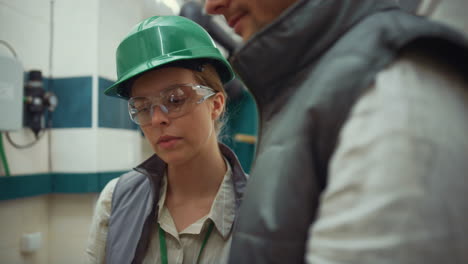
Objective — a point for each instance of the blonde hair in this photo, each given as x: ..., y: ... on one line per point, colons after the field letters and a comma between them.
x: 208, y: 76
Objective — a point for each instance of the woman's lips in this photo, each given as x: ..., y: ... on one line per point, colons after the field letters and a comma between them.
x: 167, y: 142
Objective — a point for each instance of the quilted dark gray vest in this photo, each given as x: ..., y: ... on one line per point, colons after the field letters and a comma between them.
x: 306, y: 70
x: 134, y: 207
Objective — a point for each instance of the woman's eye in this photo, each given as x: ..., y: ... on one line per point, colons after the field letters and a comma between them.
x: 141, y: 108
x: 176, y: 100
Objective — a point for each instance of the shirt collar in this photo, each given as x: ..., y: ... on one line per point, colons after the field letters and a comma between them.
x: 223, y: 209
x: 162, y: 194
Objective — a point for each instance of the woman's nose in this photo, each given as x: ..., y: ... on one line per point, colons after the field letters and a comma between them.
x: 159, y: 116
x: 216, y: 7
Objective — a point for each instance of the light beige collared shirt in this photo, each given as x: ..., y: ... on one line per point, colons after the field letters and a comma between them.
x: 182, y: 247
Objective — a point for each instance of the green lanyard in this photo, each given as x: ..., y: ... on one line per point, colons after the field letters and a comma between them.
x: 163, y: 248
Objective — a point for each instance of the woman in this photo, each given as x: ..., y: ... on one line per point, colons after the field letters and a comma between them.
x: 179, y: 205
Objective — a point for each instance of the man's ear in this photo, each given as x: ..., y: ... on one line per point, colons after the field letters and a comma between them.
x: 218, y: 104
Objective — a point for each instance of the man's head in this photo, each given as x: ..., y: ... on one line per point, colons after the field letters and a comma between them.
x: 247, y: 17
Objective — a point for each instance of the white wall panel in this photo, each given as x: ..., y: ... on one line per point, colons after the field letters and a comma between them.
x: 119, y: 149
x: 75, y: 38
x: 23, y: 216
x: 83, y: 150
x: 86, y: 34
x: 24, y: 24
x: 70, y: 219
x: 74, y: 150
x: 116, y: 18
x: 30, y: 160
x: 35, y: 9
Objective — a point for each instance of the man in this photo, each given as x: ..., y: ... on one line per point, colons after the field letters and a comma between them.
x: 362, y: 155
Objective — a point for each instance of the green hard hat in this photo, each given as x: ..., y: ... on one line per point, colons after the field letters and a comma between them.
x: 160, y: 40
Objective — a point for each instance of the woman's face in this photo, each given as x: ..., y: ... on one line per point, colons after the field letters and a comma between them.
x: 178, y: 140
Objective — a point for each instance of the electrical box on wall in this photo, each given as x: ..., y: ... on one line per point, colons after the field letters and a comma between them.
x: 31, y: 242
x: 11, y: 94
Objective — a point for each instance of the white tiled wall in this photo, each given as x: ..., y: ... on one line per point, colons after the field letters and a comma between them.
x: 30, y: 160
x: 69, y: 220
x: 23, y: 216
x: 75, y: 38
x: 85, y: 36
x: 74, y: 150
x: 24, y: 24
x: 118, y: 149
x: 95, y: 150
x: 116, y: 19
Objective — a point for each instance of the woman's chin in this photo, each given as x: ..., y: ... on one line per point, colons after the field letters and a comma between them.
x: 173, y: 157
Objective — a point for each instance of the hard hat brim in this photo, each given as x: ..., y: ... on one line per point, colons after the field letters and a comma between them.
x: 224, y: 70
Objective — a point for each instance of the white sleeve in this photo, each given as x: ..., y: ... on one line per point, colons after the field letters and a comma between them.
x: 96, y: 247
x: 398, y: 179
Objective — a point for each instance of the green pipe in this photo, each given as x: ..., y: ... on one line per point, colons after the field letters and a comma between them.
x: 4, y: 159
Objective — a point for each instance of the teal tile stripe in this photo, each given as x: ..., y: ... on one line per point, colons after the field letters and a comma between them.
x: 74, y: 183
x: 242, y: 118
x: 74, y: 96
x: 113, y: 112
x: 24, y: 186
x: 74, y: 108
x: 15, y: 187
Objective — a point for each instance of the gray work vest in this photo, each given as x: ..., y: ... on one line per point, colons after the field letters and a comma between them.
x: 134, y: 207
x: 306, y: 70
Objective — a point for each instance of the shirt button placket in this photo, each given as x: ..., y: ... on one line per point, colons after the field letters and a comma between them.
x: 180, y: 253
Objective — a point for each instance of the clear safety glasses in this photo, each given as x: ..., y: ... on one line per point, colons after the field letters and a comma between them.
x: 174, y: 101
